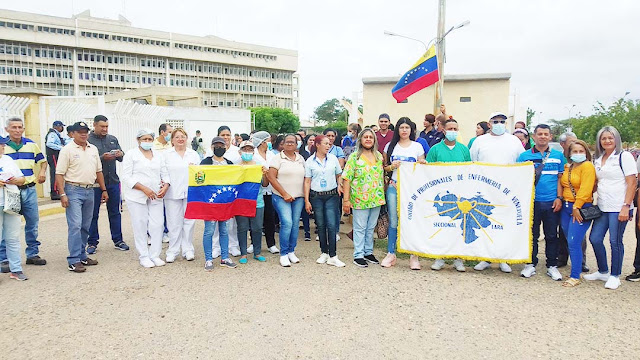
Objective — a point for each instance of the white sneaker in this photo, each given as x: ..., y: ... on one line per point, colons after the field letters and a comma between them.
x: 553, y: 272
x: 504, y: 267
x: 437, y: 265
x: 612, y: 283
x: 215, y: 253
x: 158, y: 262
x: 284, y: 261
x: 323, y: 258
x: 250, y: 249
x: 274, y: 250
x: 317, y: 237
x: 293, y: 258
x: 146, y: 262
x: 190, y: 256
x: 337, y: 237
x: 234, y: 251
x: 482, y: 265
x: 528, y: 271
x: 459, y: 265
x: 165, y: 238
x: 170, y: 258
x: 335, y: 262
x: 597, y: 276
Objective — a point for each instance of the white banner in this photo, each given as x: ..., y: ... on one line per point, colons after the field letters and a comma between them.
x: 471, y: 211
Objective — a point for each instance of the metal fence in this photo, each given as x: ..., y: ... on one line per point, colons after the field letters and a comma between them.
x: 11, y: 106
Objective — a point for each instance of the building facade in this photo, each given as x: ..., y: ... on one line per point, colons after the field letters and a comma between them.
x: 89, y: 56
x: 468, y: 98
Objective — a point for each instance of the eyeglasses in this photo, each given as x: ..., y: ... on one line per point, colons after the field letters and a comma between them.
x: 498, y: 121
x: 290, y: 143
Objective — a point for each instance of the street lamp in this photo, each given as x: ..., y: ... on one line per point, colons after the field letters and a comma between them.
x: 426, y: 46
x: 625, y: 94
x: 569, y: 109
x: 390, y: 33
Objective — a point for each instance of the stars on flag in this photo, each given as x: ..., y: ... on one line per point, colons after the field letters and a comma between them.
x: 221, y: 191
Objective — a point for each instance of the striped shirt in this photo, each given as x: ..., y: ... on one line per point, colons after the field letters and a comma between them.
x: 27, y: 156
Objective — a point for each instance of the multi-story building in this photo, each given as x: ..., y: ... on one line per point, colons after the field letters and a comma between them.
x: 85, y: 55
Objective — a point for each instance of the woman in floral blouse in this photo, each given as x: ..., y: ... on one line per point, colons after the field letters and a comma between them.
x: 364, y: 193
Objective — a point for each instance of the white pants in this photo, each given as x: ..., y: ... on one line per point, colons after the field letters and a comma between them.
x: 232, y: 229
x: 149, y: 218
x: 180, y: 229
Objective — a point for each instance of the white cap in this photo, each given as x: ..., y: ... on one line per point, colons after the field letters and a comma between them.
x: 497, y: 114
x: 143, y: 132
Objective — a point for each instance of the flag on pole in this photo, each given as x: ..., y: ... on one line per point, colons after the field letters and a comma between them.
x: 219, y: 193
x: 422, y: 74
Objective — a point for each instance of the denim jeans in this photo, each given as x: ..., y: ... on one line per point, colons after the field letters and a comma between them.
x: 253, y: 224
x: 113, y: 210
x: 79, y: 213
x: 608, y: 222
x: 207, y: 239
x: 574, y: 233
x: 10, y: 225
x: 29, y: 203
x: 304, y: 216
x: 324, y: 210
x: 364, y: 222
x: 392, y: 204
x: 543, y: 213
x: 289, y: 213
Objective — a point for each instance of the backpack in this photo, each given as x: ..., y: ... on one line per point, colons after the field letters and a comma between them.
x: 194, y: 144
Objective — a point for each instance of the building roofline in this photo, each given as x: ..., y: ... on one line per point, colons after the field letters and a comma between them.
x: 447, y: 78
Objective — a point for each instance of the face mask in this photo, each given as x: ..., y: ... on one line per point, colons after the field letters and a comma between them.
x: 299, y: 144
x: 167, y: 137
x: 498, y: 129
x: 246, y: 156
x: 146, y: 145
x: 269, y: 146
x: 578, y: 158
x: 218, y: 152
x: 451, y: 135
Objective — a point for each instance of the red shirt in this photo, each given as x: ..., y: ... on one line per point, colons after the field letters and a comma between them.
x: 383, y: 140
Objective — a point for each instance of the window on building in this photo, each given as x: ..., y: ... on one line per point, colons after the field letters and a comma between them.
x: 465, y: 99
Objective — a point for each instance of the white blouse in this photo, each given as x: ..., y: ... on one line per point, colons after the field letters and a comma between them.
x: 612, y: 186
x: 178, y: 168
x: 136, y: 168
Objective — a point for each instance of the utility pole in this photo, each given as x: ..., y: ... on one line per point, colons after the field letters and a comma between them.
x: 440, y: 56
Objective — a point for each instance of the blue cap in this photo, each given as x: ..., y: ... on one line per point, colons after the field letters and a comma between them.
x: 58, y: 123
x: 4, y: 140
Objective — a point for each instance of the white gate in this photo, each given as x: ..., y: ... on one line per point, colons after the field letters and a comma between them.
x: 11, y: 106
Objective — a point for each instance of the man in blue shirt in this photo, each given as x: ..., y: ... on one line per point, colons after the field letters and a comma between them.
x: 55, y: 141
x: 549, y: 165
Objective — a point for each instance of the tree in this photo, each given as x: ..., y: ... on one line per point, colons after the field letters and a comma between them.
x: 624, y: 115
x: 339, y: 125
x: 275, y: 120
x: 558, y: 127
x: 330, y: 110
x: 530, y: 114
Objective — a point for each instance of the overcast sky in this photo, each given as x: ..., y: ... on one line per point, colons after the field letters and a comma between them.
x: 559, y: 52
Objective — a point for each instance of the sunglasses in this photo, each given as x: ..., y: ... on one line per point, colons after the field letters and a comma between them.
x: 498, y: 121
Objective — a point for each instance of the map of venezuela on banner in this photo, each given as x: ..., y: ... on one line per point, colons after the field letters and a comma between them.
x: 471, y: 211
x: 219, y: 193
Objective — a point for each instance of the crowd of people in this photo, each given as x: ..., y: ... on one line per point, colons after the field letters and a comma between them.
x: 320, y: 176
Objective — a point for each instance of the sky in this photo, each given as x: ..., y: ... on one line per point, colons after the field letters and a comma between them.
x: 560, y: 53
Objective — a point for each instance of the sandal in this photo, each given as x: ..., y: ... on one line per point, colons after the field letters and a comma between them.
x: 571, y: 282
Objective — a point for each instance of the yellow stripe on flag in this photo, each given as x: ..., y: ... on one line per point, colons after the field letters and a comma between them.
x: 428, y: 55
x: 203, y: 175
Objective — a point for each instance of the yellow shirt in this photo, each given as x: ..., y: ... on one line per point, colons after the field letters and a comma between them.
x: 79, y: 165
x: 583, y: 178
x: 157, y: 145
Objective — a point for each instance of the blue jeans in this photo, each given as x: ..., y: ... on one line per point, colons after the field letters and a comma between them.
x: 29, y: 203
x: 10, y: 225
x: 364, y: 222
x: 113, y: 209
x: 79, y: 214
x: 574, y: 232
x: 392, y: 205
x: 543, y: 213
x: 207, y: 239
x: 289, y: 213
x: 608, y: 222
x: 253, y: 224
x: 325, y: 209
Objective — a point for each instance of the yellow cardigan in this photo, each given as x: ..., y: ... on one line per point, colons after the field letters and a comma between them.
x: 583, y: 179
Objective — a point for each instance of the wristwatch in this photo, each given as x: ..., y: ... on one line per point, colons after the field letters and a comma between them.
x: 627, y: 205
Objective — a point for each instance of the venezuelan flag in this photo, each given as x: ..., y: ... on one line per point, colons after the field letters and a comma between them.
x: 423, y: 73
x: 219, y: 193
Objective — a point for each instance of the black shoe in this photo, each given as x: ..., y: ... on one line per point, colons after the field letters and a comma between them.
x: 89, y: 262
x: 585, y: 268
x: 635, y: 276
x: 372, y: 259
x: 360, y: 262
x: 4, y: 267
x: 36, y: 260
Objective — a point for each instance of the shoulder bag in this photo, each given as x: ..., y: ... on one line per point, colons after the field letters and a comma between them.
x: 590, y: 213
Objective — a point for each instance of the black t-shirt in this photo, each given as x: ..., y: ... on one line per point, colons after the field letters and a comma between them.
x: 209, y: 161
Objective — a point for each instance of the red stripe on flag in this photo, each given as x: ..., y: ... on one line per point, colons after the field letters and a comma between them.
x: 417, y: 85
x: 220, y: 212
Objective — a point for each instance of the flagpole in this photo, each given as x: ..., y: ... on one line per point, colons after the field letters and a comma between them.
x: 440, y: 56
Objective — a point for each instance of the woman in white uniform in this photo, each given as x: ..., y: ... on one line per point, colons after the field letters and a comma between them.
x: 146, y: 181
x: 177, y: 160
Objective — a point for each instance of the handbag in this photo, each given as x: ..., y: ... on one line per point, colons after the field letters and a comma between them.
x: 589, y: 213
x: 382, y: 226
x: 12, y: 203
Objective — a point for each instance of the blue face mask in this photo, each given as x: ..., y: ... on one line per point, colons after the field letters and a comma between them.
x: 167, y: 137
x: 146, y: 145
x: 578, y: 158
x: 451, y: 135
x: 269, y: 146
x: 498, y: 129
x: 299, y: 144
x: 246, y: 156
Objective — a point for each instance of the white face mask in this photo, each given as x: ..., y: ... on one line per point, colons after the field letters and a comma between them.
x: 146, y: 145
x: 498, y: 128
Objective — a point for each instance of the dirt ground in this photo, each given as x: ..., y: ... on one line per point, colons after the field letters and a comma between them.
x: 260, y: 310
